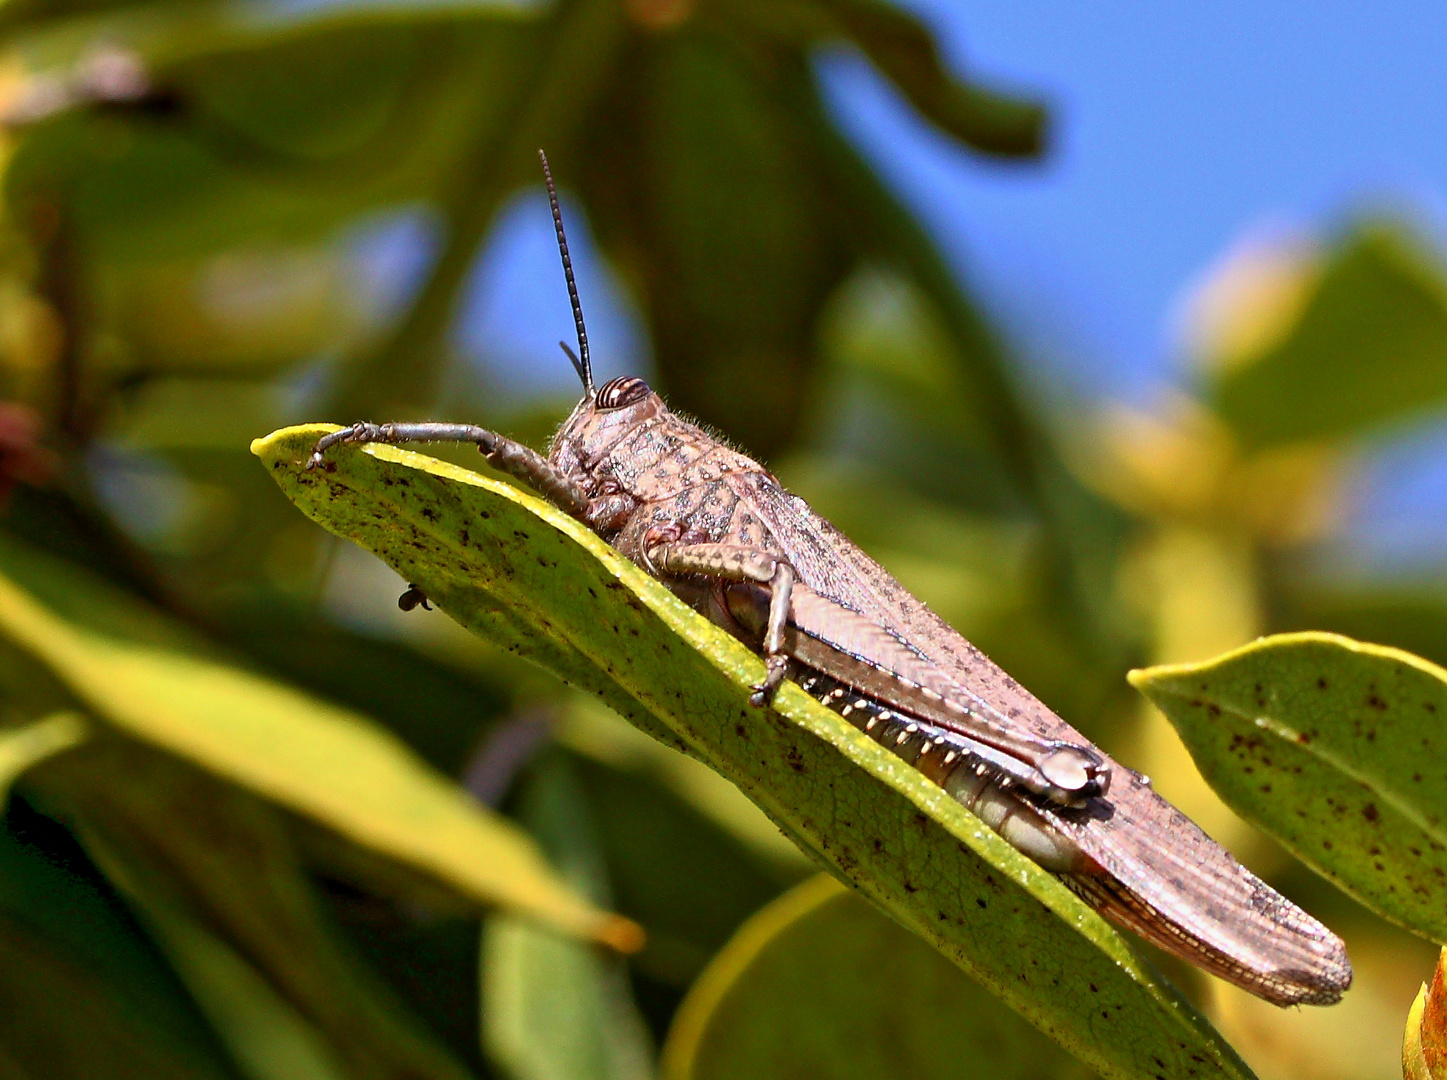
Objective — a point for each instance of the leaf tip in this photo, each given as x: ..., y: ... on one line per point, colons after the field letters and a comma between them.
x: 1140, y: 678
x: 622, y: 935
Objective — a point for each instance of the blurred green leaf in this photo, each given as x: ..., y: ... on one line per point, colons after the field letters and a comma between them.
x: 515, y: 570
x: 75, y: 962
x: 60, y: 1020
x: 1334, y: 748
x: 904, y: 51
x: 673, y: 870
x: 267, y: 1036
x: 697, y: 139
x: 601, y: 735
x: 718, y: 214
x: 554, y: 1009
x: 314, y: 758
x: 1404, y: 614
x: 441, y: 712
x: 272, y: 127
x: 1369, y: 348
x: 211, y: 871
x: 820, y: 984
x: 22, y: 747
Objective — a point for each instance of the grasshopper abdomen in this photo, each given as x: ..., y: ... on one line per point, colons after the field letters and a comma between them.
x: 966, y: 770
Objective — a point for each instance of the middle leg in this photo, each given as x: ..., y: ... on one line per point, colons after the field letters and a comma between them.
x: 733, y: 562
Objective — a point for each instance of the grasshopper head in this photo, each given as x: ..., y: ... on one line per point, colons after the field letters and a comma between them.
x: 605, y: 416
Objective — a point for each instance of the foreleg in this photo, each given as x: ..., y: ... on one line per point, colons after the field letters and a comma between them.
x: 502, y: 453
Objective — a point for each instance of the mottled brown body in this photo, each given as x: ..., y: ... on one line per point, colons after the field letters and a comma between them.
x: 719, y: 529
x: 1128, y: 852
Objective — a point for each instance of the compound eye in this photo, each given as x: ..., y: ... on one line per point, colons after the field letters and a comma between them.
x: 625, y: 390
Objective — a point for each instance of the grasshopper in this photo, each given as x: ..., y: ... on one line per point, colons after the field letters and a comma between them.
x: 725, y: 536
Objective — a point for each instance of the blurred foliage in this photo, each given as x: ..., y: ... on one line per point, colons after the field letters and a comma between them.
x: 819, y: 983
x: 194, y: 882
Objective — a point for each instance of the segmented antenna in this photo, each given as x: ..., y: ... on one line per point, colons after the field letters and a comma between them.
x: 581, y: 362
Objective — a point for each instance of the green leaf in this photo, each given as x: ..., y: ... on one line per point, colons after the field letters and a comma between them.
x: 527, y: 577
x: 1401, y: 612
x: 314, y: 758
x: 554, y: 1009
x: 22, y: 747
x: 268, y: 1037
x: 282, y: 128
x: 734, y: 248
x: 1370, y: 347
x: 600, y: 734
x: 74, y: 960
x: 905, y: 53
x: 60, y: 1019
x: 1336, y: 749
x: 820, y: 984
x: 211, y: 871
x: 675, y: 871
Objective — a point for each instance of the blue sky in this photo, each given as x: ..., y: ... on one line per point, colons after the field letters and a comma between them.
x: 1179, y: 129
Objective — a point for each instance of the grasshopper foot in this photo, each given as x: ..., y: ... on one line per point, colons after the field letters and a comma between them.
x: 412, y: 598
x: 358, y: 432
x: 778, y: 668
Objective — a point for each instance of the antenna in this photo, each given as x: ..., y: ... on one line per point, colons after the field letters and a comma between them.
x: 583, y: 366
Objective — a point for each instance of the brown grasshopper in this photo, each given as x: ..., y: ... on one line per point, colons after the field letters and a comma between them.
x: 722, y: 533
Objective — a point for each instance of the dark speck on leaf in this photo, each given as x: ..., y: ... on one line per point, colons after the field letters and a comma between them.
x: 1370, y: 812
x: 1321, y: 683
